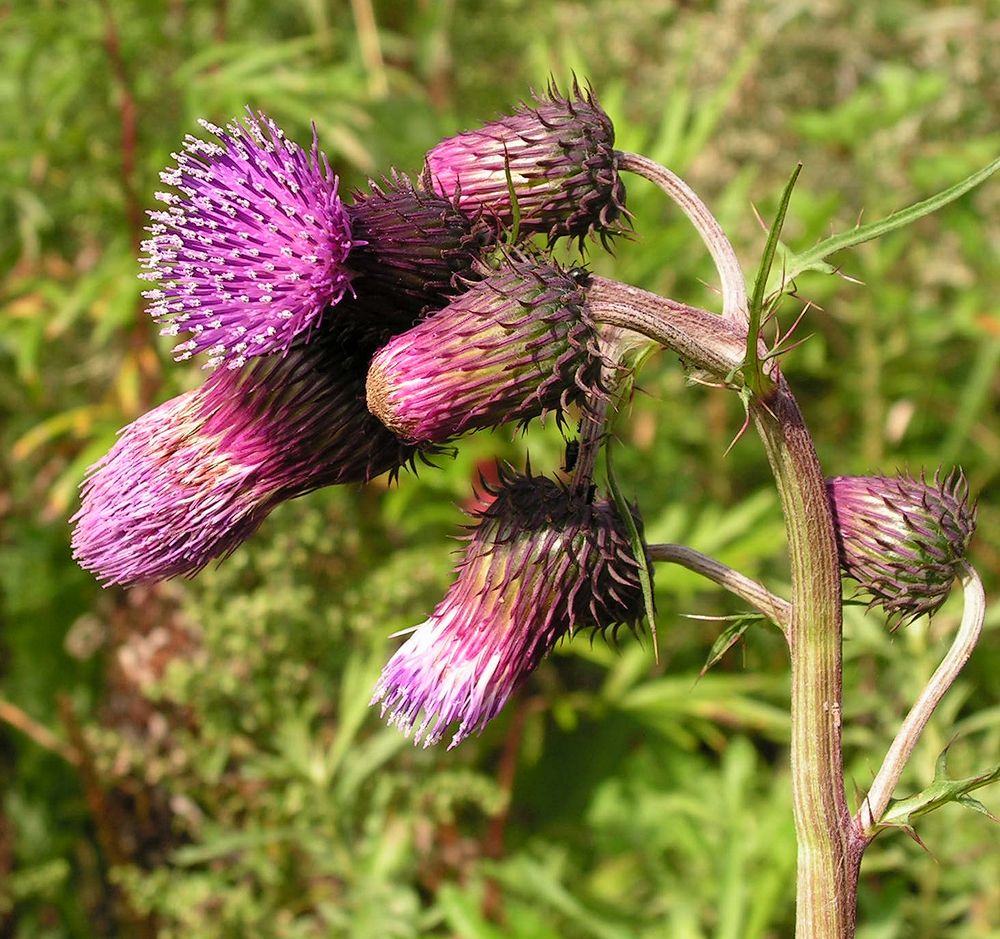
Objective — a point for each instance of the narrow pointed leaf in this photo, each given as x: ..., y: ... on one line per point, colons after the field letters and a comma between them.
x: 754, y: 372
x: 813, y: 258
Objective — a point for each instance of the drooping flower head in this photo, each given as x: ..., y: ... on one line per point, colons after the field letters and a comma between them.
x: 561, y: 158
x: 902, y: 539
x: 540, y: 564
x: 253, y: 246
x: 415, y: 247
x: 192, y: 479
x: 515, y: 345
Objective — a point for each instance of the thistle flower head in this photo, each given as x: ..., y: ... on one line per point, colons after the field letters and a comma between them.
x: 560, y: 155
x: 540, y: 563
x: 415, y: 245
x: 192, y: 479
x: 902, y: 539
x: 252, y: 246
x: 514, y: 346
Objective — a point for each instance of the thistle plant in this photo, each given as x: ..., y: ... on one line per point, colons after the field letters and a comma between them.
x: 419, y: 312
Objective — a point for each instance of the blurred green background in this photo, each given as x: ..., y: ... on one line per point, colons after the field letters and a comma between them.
x: 197, y: 759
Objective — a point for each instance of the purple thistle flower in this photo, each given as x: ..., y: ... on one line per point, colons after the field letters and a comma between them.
x: 193, y: 478
x: 540, y: 564
x: 253, y: 250
x: 561, y: 157
x: 515, y: 345
x: 902, y: 539
x: 415, y: 246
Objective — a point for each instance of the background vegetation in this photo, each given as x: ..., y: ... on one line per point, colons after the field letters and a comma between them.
x: 198, y: 759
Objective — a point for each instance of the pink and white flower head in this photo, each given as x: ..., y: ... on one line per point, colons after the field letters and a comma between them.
x: 252, y: 247
x: 902, y: 539
x: 514, y: 346
x: 540, y: 564
x: 560, y: 155
x: 192, y: 479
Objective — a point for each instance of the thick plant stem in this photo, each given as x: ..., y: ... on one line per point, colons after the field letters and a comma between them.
x: 829, y: 846
x: 829, y: 842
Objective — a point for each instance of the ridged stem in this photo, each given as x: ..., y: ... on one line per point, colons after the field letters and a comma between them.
x: 705, y: 340
x: 829, y: 845
x: 756, y: 594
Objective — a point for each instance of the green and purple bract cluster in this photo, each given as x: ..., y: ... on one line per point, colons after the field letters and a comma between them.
x: 251, y: 249
x: 541, y: 563
x: 557, y: 154
x: 514, y: 346
x: 902, y: 539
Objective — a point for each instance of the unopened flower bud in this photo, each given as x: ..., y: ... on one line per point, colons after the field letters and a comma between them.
x: 514, y: 346
x: 559, y: 152
x: 902, y: 539
x: 415, y: 245
x: 540, y: 564
x: 192, y: 479
x: 253, y: 244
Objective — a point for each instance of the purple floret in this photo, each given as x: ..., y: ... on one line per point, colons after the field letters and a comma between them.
x: 253, y: 246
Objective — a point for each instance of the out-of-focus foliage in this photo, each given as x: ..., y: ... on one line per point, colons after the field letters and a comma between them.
x: 229, y: 779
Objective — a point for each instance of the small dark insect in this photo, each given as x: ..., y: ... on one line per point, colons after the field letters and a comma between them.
x: 572, y: 455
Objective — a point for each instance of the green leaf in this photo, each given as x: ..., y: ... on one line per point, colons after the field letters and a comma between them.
x: 941, y: 791
x: 728, y: 638
x: 515, y: 206
x: 754, y: 374
x: 813, y: 258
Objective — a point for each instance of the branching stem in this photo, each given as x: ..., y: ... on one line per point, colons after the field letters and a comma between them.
x: 756, y: 594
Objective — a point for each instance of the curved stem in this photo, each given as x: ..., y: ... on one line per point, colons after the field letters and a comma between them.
x: 734, y: 291
x: 756, y: 594
x: 877, y: 800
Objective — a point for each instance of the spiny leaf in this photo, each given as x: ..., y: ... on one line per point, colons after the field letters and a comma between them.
x: 728, y: 638
x: 812, y: 260
x: 942, y: 790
